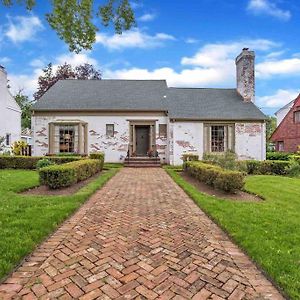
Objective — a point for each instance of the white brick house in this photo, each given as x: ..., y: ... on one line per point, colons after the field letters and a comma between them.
x: 134, y: 116
x: 10, y: 113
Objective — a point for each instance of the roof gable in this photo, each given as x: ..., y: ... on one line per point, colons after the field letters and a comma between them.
x: 293, y: 131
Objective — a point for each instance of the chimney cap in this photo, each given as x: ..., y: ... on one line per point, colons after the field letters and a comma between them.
x: 245, y: 49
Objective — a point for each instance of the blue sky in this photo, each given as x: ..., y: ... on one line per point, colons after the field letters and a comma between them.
x: 190, y: 43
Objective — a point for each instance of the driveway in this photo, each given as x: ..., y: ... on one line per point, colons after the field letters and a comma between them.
x: 139, y: 237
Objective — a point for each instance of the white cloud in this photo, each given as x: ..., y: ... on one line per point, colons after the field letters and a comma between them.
x: 268, y: 7
x: 133, y: 39
x: 21, y: 29
x: 212, y: 65
x: 28, y: 82
x: 5, y: 60
x: 191, y: 41
x: 147, y: 17
x: 277, y: 100
x: 269, y: 68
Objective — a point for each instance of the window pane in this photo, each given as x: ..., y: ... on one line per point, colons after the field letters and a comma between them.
x: 217, y: 138
x: 66, y: 139
x: 7, y: 139
x: 163, y: 130
x: 110, y: 130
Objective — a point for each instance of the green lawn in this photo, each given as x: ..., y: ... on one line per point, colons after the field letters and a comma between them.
x: 269, y: 231
x: 26, y: 220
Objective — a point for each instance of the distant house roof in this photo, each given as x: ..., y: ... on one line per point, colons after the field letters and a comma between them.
x: 210, y: 104
x: 147, y: 95
x: 288, y: 105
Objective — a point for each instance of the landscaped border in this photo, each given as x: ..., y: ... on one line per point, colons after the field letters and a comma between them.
x: 194, y: 194
x: 83, y: 194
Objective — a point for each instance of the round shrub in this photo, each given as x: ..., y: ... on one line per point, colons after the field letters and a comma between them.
x: 45, y: 162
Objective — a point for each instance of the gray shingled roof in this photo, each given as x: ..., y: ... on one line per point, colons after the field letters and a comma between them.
x: 149, y: 95
x: 104, y: 95
x: 210, y: 104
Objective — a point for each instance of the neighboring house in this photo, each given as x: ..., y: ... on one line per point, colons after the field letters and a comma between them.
x: 135, y: 116
x: 283, y: 111
x: 10, y: 120
x: 287, y: 135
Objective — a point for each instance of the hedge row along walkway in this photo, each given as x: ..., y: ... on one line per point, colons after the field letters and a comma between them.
x: 140, y: 237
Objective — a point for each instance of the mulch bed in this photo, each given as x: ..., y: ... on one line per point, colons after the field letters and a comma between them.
x: 43, y: 190
x: 204, y: 188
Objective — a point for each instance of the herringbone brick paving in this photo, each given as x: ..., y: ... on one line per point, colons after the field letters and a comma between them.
x: 140, y: 237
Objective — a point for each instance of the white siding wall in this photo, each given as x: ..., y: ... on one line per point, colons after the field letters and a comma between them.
x: 10, y: 113
x: 188, y: 137
x: 115, y: 148
x: 250, y: 140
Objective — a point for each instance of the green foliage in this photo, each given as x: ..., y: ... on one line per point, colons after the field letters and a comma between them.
x: 278, y: 155
x: 2, y: 146
x: 45, y: 162
x: 227, y: 160
x: 25, y: 105
x: 295, y: 157
x: 17, y: 147
x: 30, y: 162
x: 64, y: 175
x: 76, y: 23
x: 269, y: 230
x: 26, y: 220
x: 98, y: 155
x: 267, y: 167
x: 226, y: 180
x: 190, y: 157
x: 293, y: 169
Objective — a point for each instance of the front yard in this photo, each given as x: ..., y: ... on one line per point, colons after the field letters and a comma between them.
x: 269, y: 231
x: 25, y: 220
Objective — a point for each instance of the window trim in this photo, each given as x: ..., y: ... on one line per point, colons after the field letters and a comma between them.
x: 166, y: 130
x: 278, y: 148
x: 229, y: 145
x: 113, y: 130
x: 297, y: 115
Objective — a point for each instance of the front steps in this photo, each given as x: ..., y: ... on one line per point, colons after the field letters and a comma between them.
x: 142, y: 162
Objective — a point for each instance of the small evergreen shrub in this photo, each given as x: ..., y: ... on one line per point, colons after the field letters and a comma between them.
x: 30, y: 162
x: 213, y: 175
x: 293, y: 170
x: 267, y: 167
x: 227, y: 160
x: 45, y: 162
x: 59, y: 176
x: 98, y: 155
x: 278, y: 156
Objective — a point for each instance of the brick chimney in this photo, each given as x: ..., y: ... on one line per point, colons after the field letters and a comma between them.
x: 245, y: 75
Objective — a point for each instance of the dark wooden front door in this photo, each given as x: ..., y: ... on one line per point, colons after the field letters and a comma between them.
x: 142, y: 140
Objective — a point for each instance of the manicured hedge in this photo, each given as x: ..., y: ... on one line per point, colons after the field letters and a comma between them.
x: 190, y: 157
x: 215, y: 176
x: 267, y: 167
x: 59, y: 176
x: 30, y: 162
x: 278, y: 156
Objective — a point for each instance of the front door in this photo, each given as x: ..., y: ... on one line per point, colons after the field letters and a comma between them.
x: 142, y: 140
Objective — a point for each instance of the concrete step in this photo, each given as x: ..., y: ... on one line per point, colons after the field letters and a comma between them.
x: 134, y: 165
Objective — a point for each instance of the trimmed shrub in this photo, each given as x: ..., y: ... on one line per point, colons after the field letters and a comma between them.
x: 98, y: 155
x: 215, y: 176
x: 42, y: 163
x: 30, y: 162
x: 189, y: 157
x: 229, y: 181
x: 295, y: 157
x: 278, y: 156
x: 65, y: 175
x: 267, y: 167
x: 293, y: 170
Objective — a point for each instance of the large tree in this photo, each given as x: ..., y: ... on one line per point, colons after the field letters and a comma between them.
x: 65, y: 71
x: 25, y: 105
x: 75, y: 21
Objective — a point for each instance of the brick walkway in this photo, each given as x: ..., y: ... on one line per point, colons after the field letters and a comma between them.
x: 140, y: 237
